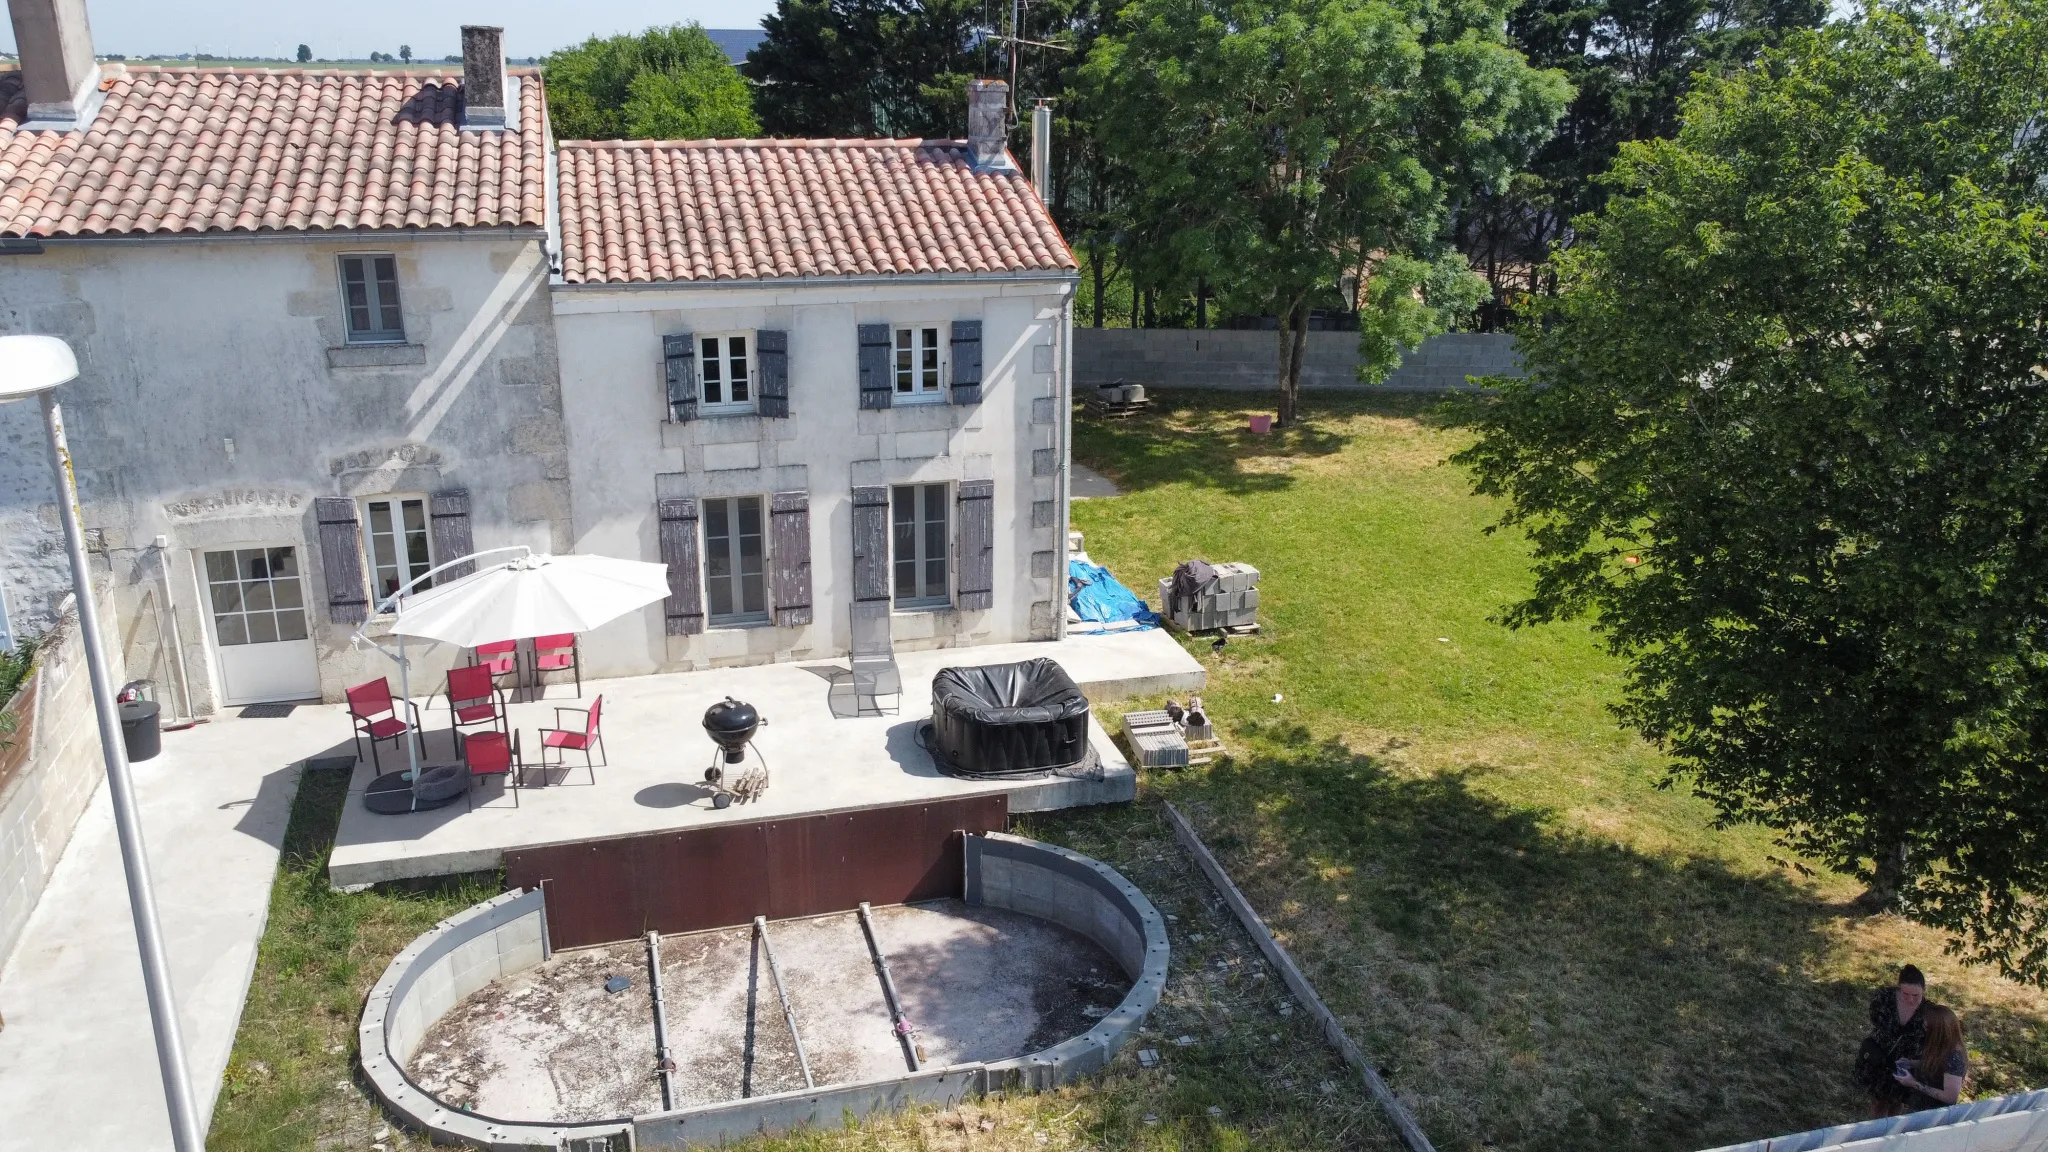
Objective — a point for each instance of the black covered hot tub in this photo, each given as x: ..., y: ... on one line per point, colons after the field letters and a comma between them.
x: 1007, y: 720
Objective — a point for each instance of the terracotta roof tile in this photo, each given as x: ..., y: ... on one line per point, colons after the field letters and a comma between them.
x: 249, y: 150
x: 643, y: 211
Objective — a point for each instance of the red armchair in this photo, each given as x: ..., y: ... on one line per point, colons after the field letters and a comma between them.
x: 556, y: 654
x: 583, y: 739
x: 501, y: 657
x: 493, y: 753
x: 475, y: 698
x: 376, y: 717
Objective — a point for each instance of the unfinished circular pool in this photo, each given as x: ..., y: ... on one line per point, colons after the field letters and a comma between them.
x: 479, y: 1032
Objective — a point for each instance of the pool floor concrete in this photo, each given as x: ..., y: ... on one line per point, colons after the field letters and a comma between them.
x: 977, y: 983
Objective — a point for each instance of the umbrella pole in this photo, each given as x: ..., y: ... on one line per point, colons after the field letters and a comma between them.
x: 413, y: 737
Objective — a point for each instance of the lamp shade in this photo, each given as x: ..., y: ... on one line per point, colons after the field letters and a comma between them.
x: 31, y: 365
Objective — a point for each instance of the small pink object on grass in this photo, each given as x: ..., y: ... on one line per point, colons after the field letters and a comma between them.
x: 1262, y: 425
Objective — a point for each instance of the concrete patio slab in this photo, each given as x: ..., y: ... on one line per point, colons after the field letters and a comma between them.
x: 77, y: 1062
x: 819, y: 761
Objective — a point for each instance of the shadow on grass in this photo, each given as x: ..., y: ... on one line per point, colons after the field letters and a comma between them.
x: 321, y: 951
x: 1201, y: 437
x: 1528, y: 987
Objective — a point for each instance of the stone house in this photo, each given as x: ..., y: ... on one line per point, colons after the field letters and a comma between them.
x: 338, y: 327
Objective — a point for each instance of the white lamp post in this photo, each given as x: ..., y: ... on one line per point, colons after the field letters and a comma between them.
x: 35, y: 366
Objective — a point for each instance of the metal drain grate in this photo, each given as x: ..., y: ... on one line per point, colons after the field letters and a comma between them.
x: 331, y: 763
x: 266, y: 711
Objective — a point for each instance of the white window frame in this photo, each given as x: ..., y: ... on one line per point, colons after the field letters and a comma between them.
x: 378, y: 332
x: 923, y: 596
x: 917, y: 364
x: 395, y: 502
x: 735, y: 557
x: 749, y: 358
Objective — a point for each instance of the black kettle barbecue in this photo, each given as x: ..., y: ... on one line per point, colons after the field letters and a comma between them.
x: 731, y: 724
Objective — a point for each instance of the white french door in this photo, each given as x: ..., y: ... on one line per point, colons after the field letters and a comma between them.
x: 257, y: 607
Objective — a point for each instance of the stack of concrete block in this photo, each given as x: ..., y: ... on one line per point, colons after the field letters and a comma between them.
x: 1229, y: 600
x: 1155, y: 740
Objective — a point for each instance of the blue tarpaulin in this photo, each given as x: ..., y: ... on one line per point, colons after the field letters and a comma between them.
x: 1098, y: 598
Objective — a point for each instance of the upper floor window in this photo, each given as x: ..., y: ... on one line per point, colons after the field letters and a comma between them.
x: 917, y: 366
x: 725, y: 378
x: 369, y: 293
x: 398, y: 543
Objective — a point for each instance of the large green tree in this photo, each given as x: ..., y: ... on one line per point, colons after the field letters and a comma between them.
x: 1276, y: 146
x: 665, y: 83
x: 866, y: 67
x: 1630, y: 62
x: 1785, y: 438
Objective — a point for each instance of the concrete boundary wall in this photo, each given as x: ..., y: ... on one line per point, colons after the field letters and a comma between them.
x: 1230, y: 358
x: 2017, y: 1123
x: 49, y: 775
x: 509, y: 933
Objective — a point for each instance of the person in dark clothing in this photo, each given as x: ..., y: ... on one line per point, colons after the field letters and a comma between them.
x: 1897, y: 1032
x: 1935, y: 1080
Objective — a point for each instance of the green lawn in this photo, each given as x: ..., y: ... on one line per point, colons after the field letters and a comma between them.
x: 1539, y: 947
x: 1543, y: 948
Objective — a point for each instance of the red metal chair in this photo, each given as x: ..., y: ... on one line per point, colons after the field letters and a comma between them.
x: 493, y: 753
x: 584, y: 739
x: 375, y: 713
x: 554, y: 654
x: 501, y: 657
x: 475, y: 698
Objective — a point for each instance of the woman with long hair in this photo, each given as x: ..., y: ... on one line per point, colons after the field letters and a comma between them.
x: 1936, y: 1078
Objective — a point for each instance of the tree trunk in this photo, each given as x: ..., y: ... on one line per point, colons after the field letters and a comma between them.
x: 1137, y: 295
x: 1151, y: 308
x: 1095, y: 266
x: 1887, y: 881
x: 1201, y: 303
x: 1293, y: 342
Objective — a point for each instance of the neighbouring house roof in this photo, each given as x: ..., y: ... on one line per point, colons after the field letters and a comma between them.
x: 656, y: 211
x: 179, y: 151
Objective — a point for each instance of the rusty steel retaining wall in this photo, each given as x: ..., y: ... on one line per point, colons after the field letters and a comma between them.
x: 511, y: 933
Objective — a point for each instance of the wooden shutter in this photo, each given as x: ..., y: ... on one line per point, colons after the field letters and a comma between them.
x: 684, y: 608
x: 679, y: 358
x: 341, y: 560
x: 870, y: 544
x: 966, y: 361
x: 977, y: 502
x: 789, y: 557
x: 771, y: 348
x: 448, y: 515
x: 877, y: 386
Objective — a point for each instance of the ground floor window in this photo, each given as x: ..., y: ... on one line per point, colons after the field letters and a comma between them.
x: 397, y: 542
x: 919, y: 546
x: 256, y: 596
x: 734, y: 561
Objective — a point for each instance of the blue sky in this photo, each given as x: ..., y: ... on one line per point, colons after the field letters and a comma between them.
x: 349, y: 29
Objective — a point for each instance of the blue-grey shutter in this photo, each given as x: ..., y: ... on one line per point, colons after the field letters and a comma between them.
x: 977, y: 502
x: 679, y: 356
x: 448, y: 514
x: 870, y: 545
x: 966, y: 361
x: 772, y: 349
x: 876, y: 387
x: 341, y: 559
x: 683, y: 611
x: 789, y: 557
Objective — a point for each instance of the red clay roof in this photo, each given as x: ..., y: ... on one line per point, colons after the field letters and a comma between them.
x: 643, y: 211
x: 254, y: 150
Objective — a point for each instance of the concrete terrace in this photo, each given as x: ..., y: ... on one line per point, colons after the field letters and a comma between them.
x: 818, y: 761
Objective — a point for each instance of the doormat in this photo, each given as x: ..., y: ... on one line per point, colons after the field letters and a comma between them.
x: 331, y: 763
x: 266, y: 711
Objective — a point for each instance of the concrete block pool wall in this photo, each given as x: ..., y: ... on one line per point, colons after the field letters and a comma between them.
x: 508, y: 934
x: 2016, y: 1123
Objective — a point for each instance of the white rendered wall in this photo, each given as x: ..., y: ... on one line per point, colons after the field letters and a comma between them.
x: 624, y: 454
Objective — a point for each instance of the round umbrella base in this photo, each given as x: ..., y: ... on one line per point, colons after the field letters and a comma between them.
x: 393, y: 795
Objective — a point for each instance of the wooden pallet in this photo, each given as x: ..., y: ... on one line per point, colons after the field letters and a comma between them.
x: 1204, y: 751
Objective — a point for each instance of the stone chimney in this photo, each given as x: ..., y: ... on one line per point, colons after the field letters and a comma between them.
x: 483, y: 76
x: 988, y: 122
x: 57, y: 68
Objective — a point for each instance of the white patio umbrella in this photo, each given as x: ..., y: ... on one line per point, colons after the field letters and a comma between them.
x: 533, y: 594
